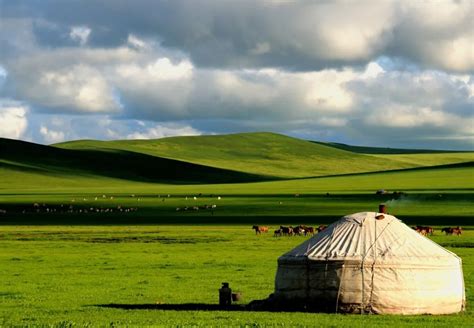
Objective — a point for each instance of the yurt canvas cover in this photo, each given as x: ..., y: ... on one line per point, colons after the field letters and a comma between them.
x: 360, y: 263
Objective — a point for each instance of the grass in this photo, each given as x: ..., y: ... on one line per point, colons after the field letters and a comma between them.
x: 63, y: 275
x: 64, y: 268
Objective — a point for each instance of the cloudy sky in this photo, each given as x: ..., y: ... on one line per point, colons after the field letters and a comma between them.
x: 386, y: 73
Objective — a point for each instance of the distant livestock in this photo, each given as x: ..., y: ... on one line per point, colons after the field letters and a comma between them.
x: 452, y: 231
x: 321, y: 228
x: 259, y: 229
x: 424, y: 230
x: 286, y: 231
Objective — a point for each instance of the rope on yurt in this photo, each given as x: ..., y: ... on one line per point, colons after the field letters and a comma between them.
x: 373, y: 266
x: 366, y: 252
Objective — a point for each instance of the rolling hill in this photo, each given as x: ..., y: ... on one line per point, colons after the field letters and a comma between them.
x: 267, y: 154
x: 31, y: 161
x: 234, y: 158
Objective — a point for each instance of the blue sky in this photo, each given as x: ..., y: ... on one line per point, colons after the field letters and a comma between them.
x: 382, y: 73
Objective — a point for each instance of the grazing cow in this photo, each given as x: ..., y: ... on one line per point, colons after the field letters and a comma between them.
x: 286, y: 231
x: 259, y: 229
x: 447, y: 231
x: 421, y: 230
x: 452, y: 231
x: 457, y: 231
x: 277, y: 233
x: 424, y: 230
x: 298, y: 230
x: 309, y: 230
x: 321, y: 228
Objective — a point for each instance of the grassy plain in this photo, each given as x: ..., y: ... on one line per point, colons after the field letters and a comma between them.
x: 160, y: 266
x: 164, y: 275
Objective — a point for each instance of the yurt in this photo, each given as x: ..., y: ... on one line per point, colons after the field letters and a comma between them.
x: 371, y: 263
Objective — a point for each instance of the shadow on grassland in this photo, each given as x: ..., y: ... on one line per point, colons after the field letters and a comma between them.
x: 28, y: 157
x: 266, y: 305
x: 254, y: 306
x: 176, y: 307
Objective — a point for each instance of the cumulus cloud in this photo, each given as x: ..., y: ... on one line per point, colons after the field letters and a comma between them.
x: 57, y: 81
x: 51, y: 136
x: 314, y: 35
x: 13, y: 119
x: 368, y: 72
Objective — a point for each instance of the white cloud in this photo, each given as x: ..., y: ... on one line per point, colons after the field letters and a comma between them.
x: 13, y: 119
x: 80, y: 34
x: 164, y: 130
x: 51, y: 136
x: 160, y: 70
x: 79, y: 86
x: 410, y: 117
x: 327, y: 92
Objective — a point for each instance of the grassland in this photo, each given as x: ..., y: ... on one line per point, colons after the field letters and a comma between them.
x: 65, y: 267
x: 164, y: 275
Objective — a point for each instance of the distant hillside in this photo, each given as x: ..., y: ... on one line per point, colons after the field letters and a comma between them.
x: 193, y: 160
x: 33, y: 161
x: 383, y: 150
x: 263, y: 153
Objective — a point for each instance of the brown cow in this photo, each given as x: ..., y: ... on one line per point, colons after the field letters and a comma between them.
x: 259, y: 229
x: 286, y: 231
x: 321, y: 228
x: 452, y: 231
x: 421, y: 230
x: 307, y: 230
x: 424, y: 230
x: 299, y: 230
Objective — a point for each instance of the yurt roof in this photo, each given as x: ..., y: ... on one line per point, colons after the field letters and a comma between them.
x: 362, y: 237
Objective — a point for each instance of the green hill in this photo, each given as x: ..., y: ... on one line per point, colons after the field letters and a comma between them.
x: 266, y: 154
x: 233, y: 158
x: 29, y: 161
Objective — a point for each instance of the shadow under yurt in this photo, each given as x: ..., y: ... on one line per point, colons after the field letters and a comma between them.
x: 370, y: 263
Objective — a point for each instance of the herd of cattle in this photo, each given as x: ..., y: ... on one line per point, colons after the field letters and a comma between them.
x: 430, y: 231
x: 300, y: 230
x: 303, y: 230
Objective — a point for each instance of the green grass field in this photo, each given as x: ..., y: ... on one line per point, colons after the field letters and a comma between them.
x: 64, y: 260
x: 157, y: 275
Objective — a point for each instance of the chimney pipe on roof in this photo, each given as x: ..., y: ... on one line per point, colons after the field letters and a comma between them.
x: 382, y: 209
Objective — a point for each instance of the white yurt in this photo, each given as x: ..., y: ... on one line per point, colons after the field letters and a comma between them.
x: 371, y: 263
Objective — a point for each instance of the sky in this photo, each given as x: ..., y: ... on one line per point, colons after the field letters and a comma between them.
x: 376, y: 73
